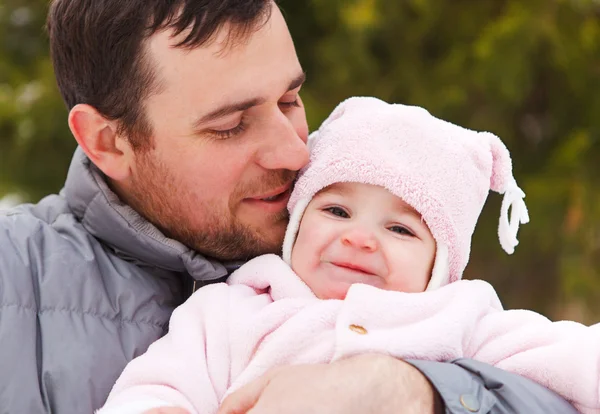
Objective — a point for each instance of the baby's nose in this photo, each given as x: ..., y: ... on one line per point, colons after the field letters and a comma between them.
x: 361, y: 239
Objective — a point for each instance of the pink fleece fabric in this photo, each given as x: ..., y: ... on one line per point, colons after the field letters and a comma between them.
x: 442, y: 170
x: 226, y: 335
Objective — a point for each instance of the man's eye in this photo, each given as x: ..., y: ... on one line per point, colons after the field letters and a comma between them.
x: 338, y: 212
x: 293, y: 104
x: 401, y: 230
x: 229, y: 133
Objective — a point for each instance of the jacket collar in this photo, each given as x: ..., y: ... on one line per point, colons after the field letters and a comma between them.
x: 107, y: 218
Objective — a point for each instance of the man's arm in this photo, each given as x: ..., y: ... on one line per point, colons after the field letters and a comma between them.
x: 467, y: 386
x: 381, y: 384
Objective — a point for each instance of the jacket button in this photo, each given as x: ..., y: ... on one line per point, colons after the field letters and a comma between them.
x: 469, y: 402
x: 358, y: 329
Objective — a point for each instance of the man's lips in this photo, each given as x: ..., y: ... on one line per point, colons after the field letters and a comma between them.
x: 272, y: 195
x: 272, y: 202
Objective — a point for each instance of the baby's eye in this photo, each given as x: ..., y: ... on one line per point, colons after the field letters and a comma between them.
x: 338, y: 212
x: 401, y: 230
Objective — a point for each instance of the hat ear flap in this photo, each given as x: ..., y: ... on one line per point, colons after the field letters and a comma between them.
x: 440, y: 275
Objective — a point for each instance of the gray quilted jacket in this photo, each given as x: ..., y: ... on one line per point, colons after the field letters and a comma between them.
x: 86, y: 284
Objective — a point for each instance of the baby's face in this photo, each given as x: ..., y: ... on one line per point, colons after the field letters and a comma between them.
x: 360, y: 233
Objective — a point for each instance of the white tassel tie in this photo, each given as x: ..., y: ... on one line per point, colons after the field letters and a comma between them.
x: 508, y: 229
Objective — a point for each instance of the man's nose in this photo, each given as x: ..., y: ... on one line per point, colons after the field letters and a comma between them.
x: 360, y: 238
x: 284, y: 148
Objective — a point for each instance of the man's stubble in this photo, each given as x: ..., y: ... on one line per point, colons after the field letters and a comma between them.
x: 206, y: 227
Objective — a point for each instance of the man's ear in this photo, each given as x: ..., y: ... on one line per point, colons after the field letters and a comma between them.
x: 98, y: 137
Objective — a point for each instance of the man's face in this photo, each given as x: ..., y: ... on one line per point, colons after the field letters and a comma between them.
x: 230, y: 133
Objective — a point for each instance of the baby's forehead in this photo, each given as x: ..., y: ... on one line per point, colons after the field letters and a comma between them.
x: 350, y: 189
x: 338, y: 188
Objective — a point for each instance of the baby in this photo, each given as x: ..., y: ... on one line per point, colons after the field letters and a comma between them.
x: 380, y: 229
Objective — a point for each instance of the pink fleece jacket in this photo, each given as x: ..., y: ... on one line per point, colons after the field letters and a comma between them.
x: 226, y: 335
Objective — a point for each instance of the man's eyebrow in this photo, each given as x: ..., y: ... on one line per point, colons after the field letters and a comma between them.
x: 297, y: 82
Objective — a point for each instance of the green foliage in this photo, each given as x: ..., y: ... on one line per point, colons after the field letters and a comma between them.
x: 35, y: 142
x: 526, y: 71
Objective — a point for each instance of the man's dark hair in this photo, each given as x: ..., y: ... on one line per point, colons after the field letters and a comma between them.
x: 98, y: 53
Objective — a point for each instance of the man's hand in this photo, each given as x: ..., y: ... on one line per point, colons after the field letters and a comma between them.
x: 363, y: 384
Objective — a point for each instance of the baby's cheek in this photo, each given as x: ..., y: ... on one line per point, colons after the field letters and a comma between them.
x: 309, y: 235
x: 411, y: 274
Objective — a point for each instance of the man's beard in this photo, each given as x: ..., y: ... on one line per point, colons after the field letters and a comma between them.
x: 155, y: 195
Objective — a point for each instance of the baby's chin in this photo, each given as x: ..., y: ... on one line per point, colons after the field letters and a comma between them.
x: 337, y: 290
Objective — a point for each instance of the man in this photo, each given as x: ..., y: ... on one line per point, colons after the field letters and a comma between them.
x: 190, y: 130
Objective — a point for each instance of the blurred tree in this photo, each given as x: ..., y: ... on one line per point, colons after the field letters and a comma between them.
x: 35, y: 143
x: 526, y: 71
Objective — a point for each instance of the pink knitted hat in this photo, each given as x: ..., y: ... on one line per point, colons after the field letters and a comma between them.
x: 442, y: 170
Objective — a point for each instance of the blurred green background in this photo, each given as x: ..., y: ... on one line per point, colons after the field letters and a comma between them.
x: 528, y: 71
